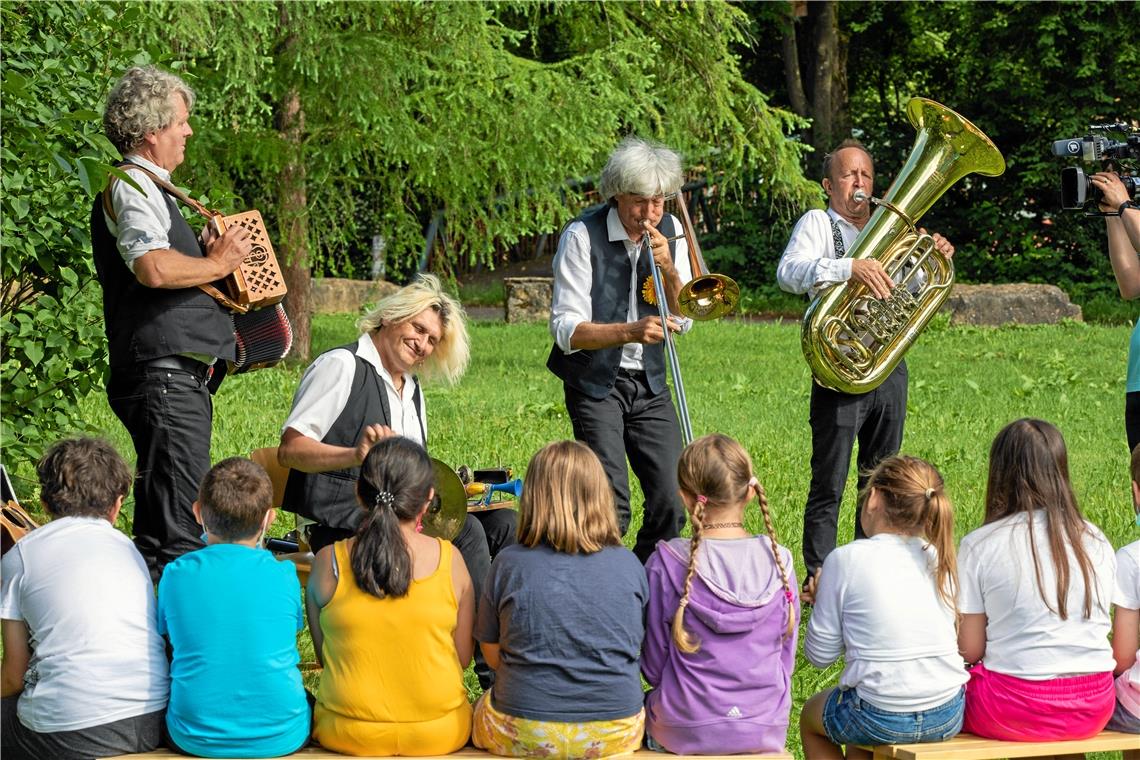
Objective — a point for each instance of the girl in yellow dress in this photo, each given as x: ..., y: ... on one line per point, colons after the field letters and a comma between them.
x: 391, y: 612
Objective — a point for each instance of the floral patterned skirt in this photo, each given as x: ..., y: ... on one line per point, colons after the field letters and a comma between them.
x: 506, y: 735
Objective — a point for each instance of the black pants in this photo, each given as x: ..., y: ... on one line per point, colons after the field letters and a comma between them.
x: 121, y: 737
x: 838, y: 420
x: 169, y: 415
x: 635, y: 422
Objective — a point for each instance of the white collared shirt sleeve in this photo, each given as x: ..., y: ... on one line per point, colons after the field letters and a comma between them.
x: 684, y: 271
x: 322, y: 394
x: 570, y: 303
x: 142, y: 221
x: 809, y: 261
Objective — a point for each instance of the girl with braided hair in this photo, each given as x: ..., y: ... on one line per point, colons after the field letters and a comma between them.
x: 391, y: 612
x: 720, y: 637
x: 888, y: 604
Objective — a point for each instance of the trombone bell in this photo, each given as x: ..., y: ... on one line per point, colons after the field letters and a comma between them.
x: 708, y: 296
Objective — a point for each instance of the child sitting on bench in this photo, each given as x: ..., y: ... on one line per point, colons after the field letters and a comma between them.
x: 560, y: 620
x: 1126, y: 623
x: 888, y: 603
x: 1036, y: 585
x: 232, y: 612
x: 77, y: 590
x: 720, y: 635
x: 391, y: 610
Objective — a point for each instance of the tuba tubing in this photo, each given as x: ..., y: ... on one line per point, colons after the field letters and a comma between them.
x: 852, y: 341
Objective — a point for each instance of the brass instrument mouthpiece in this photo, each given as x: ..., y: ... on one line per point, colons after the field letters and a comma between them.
x: 860, y: 196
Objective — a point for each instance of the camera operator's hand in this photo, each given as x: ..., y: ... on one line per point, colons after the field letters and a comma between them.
x: 1112, y: 190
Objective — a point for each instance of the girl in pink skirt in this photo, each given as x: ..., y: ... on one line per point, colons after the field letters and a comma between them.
x: 1037, y: 581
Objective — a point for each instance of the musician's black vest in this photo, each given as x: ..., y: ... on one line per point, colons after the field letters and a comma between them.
x: 145, y: 323
x: 593, y: 372
x: 330, y: 497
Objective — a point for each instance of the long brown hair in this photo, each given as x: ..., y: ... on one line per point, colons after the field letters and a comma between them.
x: 717, y: 471
x: 395, y: 481
x: 1029, y: 471
x: 567, y: 502
x: 915, y: 502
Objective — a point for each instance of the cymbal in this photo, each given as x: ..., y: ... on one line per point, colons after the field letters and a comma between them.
x: 448, y: 509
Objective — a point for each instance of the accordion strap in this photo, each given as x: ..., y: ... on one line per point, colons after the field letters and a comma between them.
x: 209, y: 289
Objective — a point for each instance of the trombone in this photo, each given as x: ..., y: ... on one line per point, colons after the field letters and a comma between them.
x: 705, y: 297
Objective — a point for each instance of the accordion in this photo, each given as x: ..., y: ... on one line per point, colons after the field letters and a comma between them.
x: 258, y: 282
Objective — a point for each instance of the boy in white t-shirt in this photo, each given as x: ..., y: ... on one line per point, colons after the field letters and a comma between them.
x: 84, y: 672
x: 1126, y: 624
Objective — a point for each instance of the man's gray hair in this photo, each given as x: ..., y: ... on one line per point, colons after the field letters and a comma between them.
x: 449, y: 359
x: 640, y: 167
x: 139, y: 104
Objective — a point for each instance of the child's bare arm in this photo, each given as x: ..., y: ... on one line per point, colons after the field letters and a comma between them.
x: 972, y: 637
x: 322, y: 586
x: 1125, y: 637
x: 465, y: 617
x: 17, y: 654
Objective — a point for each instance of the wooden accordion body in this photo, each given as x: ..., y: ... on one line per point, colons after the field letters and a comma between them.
x: 258, y: 282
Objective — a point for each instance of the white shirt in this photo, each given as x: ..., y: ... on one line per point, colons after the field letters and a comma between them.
x: 1023, y: 637
x: 877, y: 606
x: 573, y: 277
x: 86, y: 596
x: 1127, y: 596
x: 142, y: 220
x: 327, y: 383
x: 810, y: 261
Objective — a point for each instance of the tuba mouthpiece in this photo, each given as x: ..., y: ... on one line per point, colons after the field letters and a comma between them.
x: 859, y: 196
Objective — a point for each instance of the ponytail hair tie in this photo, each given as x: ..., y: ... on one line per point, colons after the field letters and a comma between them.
x: 930, y: 493
x: 788, y: 597
x: 702, y: 499
x: 385, y: 498
x: 754, y: 483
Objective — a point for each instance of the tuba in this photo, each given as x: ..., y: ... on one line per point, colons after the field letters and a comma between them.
x: 852, y: 341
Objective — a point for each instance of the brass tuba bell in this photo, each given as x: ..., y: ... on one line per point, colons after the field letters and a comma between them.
x: 852, y: 340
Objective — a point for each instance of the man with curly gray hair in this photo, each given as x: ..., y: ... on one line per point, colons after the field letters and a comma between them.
x: 608, y: 333
x: 164, y: 334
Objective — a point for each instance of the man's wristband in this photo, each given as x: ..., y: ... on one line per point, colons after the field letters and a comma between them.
x: 1126, y: 204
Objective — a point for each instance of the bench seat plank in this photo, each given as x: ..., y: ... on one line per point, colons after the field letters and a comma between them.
x: 970, y: 747
x: 319, y: 753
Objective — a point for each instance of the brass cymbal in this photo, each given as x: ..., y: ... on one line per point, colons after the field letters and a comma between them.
x: 448, y: 509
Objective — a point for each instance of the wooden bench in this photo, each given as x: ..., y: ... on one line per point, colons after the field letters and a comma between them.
x: 970, y: 747
x: 319, y: 753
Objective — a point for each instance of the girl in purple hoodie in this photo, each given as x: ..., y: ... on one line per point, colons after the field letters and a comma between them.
x: 720, y: 632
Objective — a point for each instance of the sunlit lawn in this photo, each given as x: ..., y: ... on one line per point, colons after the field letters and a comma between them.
x: 749, y: 380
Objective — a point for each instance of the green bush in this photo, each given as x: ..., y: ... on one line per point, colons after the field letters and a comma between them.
x: 58, y: 63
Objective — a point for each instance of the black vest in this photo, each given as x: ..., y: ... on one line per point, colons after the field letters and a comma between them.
x: 330, y: 497
x: 145, y: 323
x: 593, y: 372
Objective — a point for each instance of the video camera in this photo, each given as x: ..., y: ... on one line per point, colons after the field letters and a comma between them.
x: 1077, y: 191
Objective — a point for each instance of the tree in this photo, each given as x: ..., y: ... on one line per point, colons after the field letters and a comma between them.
x: 482, y: 110
x: 58, y: 61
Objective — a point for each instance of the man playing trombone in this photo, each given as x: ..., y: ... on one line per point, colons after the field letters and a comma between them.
x: 608, y: 333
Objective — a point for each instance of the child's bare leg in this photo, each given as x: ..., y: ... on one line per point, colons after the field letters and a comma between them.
x: 816, y: 745
x: 857, y: 753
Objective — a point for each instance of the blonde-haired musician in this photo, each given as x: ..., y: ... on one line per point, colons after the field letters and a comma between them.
x: 163, y: 333
x: 814, y: 258
x: 354, y: 395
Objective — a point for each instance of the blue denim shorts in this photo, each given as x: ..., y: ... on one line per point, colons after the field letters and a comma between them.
x: 851, y: 720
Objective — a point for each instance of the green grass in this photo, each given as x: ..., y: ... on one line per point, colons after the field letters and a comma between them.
x: 750, y: 381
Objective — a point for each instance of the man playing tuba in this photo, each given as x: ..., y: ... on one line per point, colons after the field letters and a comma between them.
x: 815, y: 257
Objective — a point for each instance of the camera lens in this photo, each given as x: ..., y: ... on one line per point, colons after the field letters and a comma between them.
x: 1075, y: 187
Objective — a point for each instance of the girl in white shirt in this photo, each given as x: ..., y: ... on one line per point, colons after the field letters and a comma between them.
x: 887, y: 603
x: 1036, y: 586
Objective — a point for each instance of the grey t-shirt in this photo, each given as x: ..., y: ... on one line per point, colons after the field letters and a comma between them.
x: 569, y: 628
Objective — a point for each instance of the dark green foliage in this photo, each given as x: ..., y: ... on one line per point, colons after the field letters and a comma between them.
x: 58, y: 62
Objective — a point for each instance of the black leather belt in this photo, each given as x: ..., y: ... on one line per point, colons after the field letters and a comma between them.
x: 633, y: 374
x: 181, y: 363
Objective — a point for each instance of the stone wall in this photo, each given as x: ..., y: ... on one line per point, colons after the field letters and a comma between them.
x: 336, y: 295
x: 528, y: 298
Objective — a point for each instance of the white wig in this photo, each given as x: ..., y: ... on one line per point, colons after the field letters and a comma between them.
x: 640, y: 167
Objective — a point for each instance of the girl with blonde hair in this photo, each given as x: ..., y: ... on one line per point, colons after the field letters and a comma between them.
x: 887, y: 603
x: 720, y: 639
x: 560, y: 620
